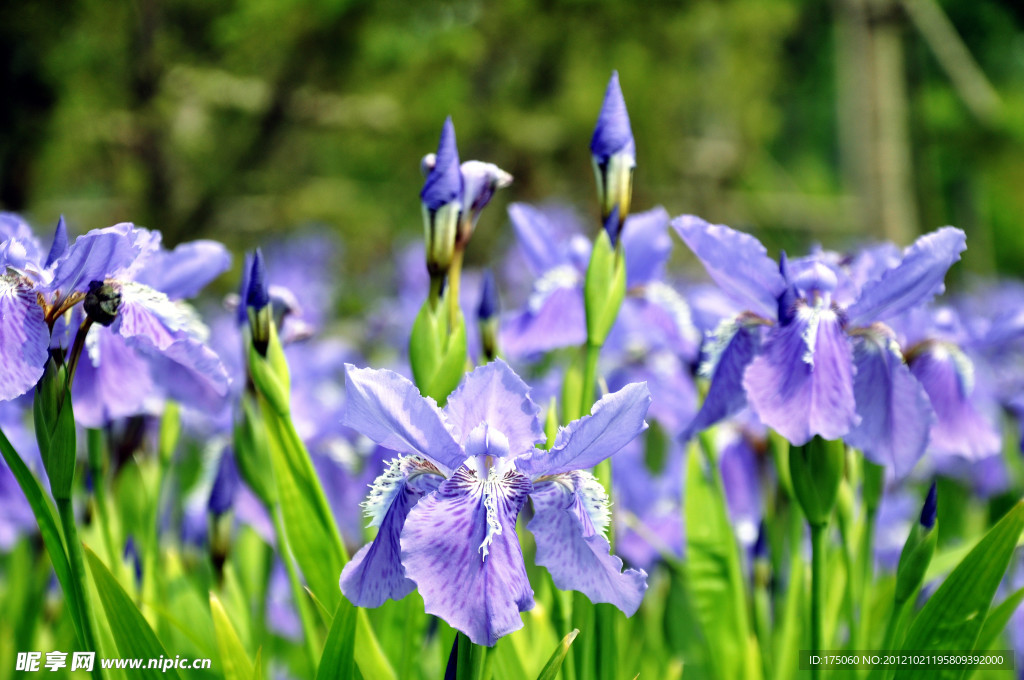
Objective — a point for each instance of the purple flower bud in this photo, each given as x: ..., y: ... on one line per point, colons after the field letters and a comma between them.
x: 444, y: 182
x: 225, y: 486
x: 614, y: 156
x: 132, y: 557
x: 931, y: 508
x: 489, y: 301
x: 257, y: 294
x: 612, y: 134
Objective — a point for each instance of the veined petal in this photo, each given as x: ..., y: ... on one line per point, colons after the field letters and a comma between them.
x: 24, y: 337
x: 495, y: 395
x: 150, y: 314
x: 95, y: 256
x: 895, y: 415
x: 916, y: 279
x: 736, y: 261
x: 389, y: 409
x: 946, y: 374
x: 571, y: 516
x: 613, y: 422
x: 729, y: 351
x: 460, y: 546
x: 112, y: 380
x: 375, y: 573
x: 184, y: 271
x: 556, y: 320
x: 542, y: 235
x: 647, y: 245
x: 802, y: 382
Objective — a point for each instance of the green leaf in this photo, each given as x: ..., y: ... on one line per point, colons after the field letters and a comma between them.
x: 713, y: 568
x: 338, y: 659
x: 45, y: 515
x: 551, y: 668
x: 953, y: 617
x: 233, y: 659
x: 996, y: 621
x: 132, y: 634
x: 424, y: 345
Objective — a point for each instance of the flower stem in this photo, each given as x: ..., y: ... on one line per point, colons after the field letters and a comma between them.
x: 77, y: 562
x: 592, y: 353
x: 818, y: 535
x: 298, y: 594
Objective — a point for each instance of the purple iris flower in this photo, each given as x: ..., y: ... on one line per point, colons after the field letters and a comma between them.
x: 447, y: 508
x: 155, y: 347
x: 811, y: 355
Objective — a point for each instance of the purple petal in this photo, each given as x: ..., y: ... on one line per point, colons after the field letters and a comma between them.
x: 557, y: 320
x: 802, y: 382
x: 444, y: 183
x: 729, y: 353
x: 387, y: 408
x: 946, y: 374
x: 375, y: 574
x: 742, y: 485
x: 96, y: 256
x: 736, y: 261
x: 647, y: 245
x: 495, y: 395
x: 571, y: 514
x: 917, y: 279
x: 612, y: 133
x: 541, y: 235
x: 464, y: 556
x: 613, y: 422
x: 24, y: 337
x: 112, y: 380
x: 59, y: 247
x: 188, y: 372
x: 895, y: 415
x: 184, y: 271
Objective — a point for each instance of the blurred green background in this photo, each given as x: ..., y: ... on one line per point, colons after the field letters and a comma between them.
x: 800, y: 119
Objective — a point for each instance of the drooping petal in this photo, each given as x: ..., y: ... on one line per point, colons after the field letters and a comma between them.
x: 736, y: 261
x: 24, y: 337
x: 188, y: 372
x: 495, y: 395
x: 555, y: 318
x: 387, y: 408
x: 571, y: 515
x: 460, y: 546
x: 917, y: 279
x: 946, y: 374
x: 112, y: 380
x: 375, y: 574
x: 95, y: 256
x: 647, y: 245
x: 541, y: 235
x: 183, y: 272
x: 895, y: 415
x: 730, y: 350
x: 802, y: 382
x: 613, y: 422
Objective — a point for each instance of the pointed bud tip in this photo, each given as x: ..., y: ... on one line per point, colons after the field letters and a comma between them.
x: 444, y: 182
x: 258, y: 294
x: 60, y: 242
x: 613, y: 133
x: 490, y: 303
x: 931, y: 507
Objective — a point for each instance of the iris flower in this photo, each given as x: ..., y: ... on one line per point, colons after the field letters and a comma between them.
x: 447, y: 507
x: 813, y: 354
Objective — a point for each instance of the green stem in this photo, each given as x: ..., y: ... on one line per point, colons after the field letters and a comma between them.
x: 818, y: 534
x: 78, y: 578
x: 470, y: 660
x: 454, y: 281
x: 866, y: 567
x: 97, y: 456
x: 592, y: 353
x: 298, y: 594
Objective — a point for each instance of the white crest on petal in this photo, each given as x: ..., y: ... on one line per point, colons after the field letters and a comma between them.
x: 175, y: 314
x: 715, y: 344
x: 962, y: 364
x: 594, y: 499
x: 669, y: 299
x: 562, y: 276
x: 813, y: 316
x: 489, y: 489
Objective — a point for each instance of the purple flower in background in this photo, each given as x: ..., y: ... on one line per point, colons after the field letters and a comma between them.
x: 447, y: 508
x: 811, y: 355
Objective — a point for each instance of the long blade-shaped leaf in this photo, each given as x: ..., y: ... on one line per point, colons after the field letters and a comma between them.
x: 338, y: 659
x: 233, y: 659
x: 132, y: 634
x: 551, y: 668
x: 953, y: 617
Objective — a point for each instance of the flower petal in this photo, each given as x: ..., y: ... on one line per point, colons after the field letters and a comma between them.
x: 918, y: 278
x: 894, y: 411
x: 387, y: 408
x: 570, y: 511
x: 495, y: 395
x: 729, y: 352
x: 613, y: 422
x: 95, y: 256
x: 802, y: 382
x: 112, y: 380
x: 736, y: 261
x: 24, y: 337
x: 647, y: 246
x: 946, y: 374
x: 542, y: 235
x: 460, y: 546
x: 184, y: 271
x: 556, y: 320
x: 375, y: 573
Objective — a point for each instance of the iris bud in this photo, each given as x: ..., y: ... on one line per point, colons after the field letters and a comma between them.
x: 614, y: 156
x: 55, y: 428
x: 487, y: 316
x: 257, y: 303
x: 442, y: 202
x: 816, y: 469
